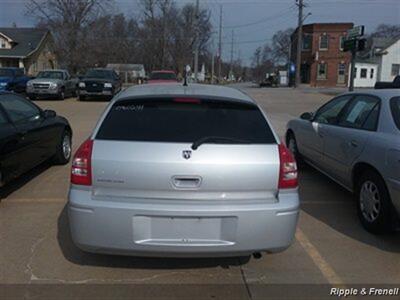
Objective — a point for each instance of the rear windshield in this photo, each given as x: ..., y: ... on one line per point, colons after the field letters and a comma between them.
x: 183, y: 120
x: 395, y: 107
x: 162, y: 76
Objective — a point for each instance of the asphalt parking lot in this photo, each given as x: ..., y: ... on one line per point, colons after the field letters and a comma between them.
x: 330, y: 246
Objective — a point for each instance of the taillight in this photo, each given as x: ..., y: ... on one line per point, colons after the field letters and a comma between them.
x: 81, y: 172
x: 288, y: 169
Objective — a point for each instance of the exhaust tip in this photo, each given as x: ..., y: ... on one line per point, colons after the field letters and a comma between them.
x: 257, y: 255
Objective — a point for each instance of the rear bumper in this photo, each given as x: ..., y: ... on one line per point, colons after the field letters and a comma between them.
x: 179, y: 229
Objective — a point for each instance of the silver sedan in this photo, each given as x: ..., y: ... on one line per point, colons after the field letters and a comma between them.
x: 355, y: 140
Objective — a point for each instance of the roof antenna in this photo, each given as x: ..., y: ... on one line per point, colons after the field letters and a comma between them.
x: 187, y: 71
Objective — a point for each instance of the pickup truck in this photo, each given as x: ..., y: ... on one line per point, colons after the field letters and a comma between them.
x: 99, y: 83
x: 13, y: 79
x: 395, y: 84
x: 52, y: 83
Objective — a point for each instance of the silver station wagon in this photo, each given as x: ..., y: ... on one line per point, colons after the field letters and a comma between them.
x: 173, y: 170
x: 355, y: 140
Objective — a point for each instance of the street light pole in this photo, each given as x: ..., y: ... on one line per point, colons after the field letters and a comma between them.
x: 220, y: 45
x: 299, y: 42
x: 196, y: 50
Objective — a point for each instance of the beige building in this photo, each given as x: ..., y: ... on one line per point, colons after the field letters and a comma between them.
x: 27, y: 48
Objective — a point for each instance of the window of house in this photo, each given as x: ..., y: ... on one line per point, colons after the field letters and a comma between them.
x: 372, y: 74
x: 322, y: 71
x: 323, y: 42
x: 341, y: 43
x: 307, y: 42
x: 2, y: 43
x: 395, y: 69
x: 363, y: 73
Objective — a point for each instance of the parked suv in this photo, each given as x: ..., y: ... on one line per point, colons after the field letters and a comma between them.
x: 104, y: 83
x: 13, y: 79
x: 183, y: 171
x: 52, y: 83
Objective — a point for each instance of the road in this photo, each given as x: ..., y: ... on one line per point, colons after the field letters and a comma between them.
x: 330, y: 246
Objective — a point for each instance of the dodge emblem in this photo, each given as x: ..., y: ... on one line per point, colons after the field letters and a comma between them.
x: 186, y: 154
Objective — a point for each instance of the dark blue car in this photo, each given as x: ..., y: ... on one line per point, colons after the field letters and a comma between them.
x: 13, y: 79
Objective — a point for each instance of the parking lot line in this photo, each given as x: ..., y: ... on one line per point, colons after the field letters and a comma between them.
x: 327, y: 271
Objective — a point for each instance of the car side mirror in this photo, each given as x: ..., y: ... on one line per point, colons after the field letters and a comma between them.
x: 47, y: 114
x: 307, y: 116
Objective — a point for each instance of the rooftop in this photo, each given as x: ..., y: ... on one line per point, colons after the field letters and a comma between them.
x: 25, y: 41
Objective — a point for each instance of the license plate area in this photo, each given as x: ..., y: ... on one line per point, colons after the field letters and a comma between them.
x: 184, y: 231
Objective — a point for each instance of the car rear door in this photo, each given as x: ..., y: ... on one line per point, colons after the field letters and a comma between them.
x: 345, y: 141
x: 142, y: 150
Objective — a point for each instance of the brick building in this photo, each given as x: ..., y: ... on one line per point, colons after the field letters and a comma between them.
x: 323, y: 62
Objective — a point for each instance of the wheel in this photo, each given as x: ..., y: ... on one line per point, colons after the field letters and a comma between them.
x: 291, y: 143
x: 64, y: 149
x: 374, y: 206
x: 61, y: 95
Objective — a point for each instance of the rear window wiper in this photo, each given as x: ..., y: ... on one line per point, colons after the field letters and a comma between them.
x: 217, y: 139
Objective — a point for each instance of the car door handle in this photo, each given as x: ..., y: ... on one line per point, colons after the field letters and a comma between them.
x: 354, y: 144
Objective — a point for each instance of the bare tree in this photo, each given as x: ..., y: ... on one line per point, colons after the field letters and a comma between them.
x: 387, y: 31
x: 281, y: 45
x: 67, y: 20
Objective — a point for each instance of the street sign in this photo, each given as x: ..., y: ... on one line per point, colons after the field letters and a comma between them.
x: 355, y: 32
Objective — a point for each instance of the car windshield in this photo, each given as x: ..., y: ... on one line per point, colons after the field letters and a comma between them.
x: 163, y: 76
x: 186, y: 120
x: 395, y: 107
x: 50, y: 75
x: 6, y: 73
x: 99, y: 74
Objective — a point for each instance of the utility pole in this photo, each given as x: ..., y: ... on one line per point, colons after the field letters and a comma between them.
x: 299, y: 42
x: 212, y: 67
x: 197, y: 44
x: 220, y: 45
x: 352, y: 69
x: 231, y: 67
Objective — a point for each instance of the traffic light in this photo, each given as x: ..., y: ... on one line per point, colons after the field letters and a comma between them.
x: 361, y: 43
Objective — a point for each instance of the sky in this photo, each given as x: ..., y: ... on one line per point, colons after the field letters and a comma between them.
x: 253, y: 21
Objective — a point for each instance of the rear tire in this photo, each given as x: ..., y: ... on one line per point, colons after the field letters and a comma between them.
x: 64, y: 149
x: 374, y: 206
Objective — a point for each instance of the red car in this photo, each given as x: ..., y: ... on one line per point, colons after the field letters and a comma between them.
x: 163, y: 76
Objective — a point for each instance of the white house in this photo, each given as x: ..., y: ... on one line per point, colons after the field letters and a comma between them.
x: 379, y: 62
x: 389, y: 61
x: 366, y: 74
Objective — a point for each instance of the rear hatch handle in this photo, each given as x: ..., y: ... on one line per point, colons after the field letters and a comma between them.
x: 186, y: 182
